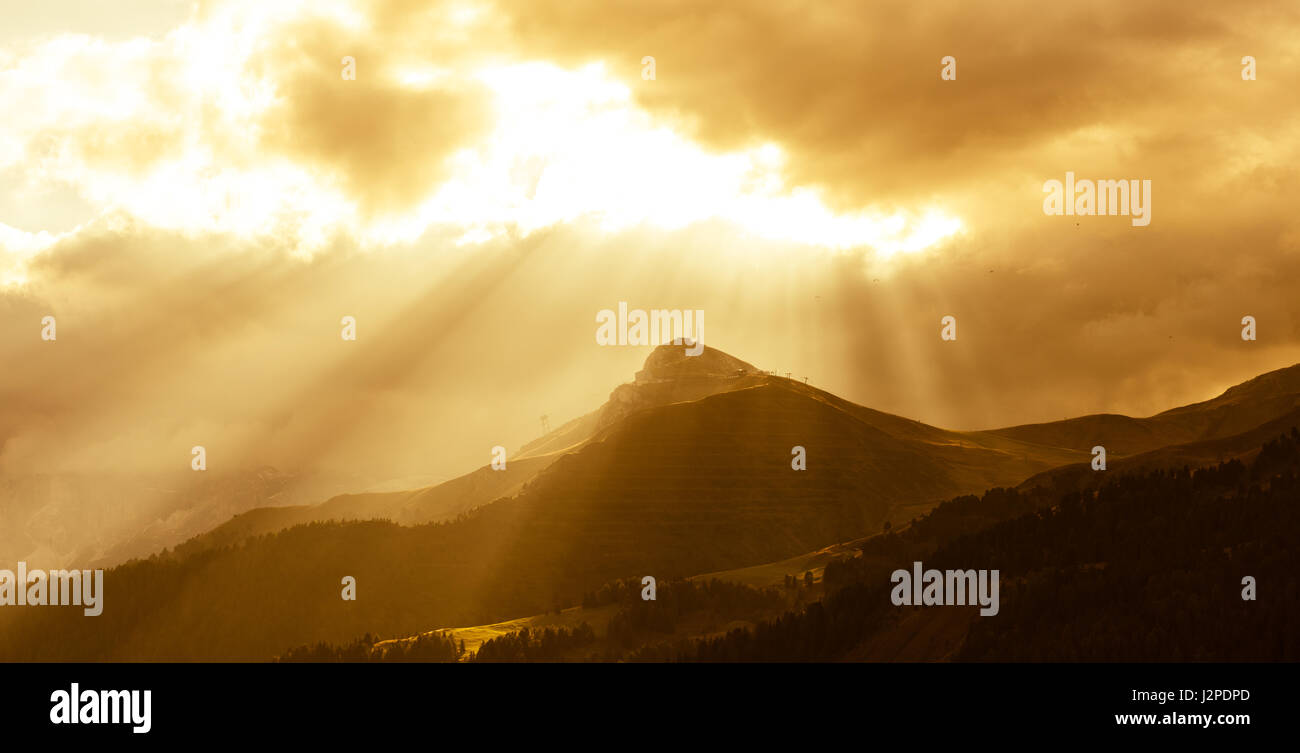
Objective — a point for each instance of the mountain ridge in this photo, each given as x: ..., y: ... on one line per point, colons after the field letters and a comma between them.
x: 669, y: 376
x: 671, y: 487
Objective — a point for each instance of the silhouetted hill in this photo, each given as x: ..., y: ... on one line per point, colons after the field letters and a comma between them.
x: 1237, y: 410
x: 1241, y: 446
x: 962, y: 461
x: 668, y: 376
x: 1148, y: 567
x: 675, y: 484
x: 438, y: 503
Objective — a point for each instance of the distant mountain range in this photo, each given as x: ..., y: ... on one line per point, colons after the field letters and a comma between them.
x: 686, y: 470
x: 933, y: 463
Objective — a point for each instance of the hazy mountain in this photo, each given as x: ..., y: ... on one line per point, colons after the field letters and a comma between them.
x: 1237, y: 410
x: 686, y: 470
x: 1149, y: 566
x: 974, y: 460
x: 1241, y: 446
x: 106, y: 518
x: 962, y: 461
x: 668, y: 376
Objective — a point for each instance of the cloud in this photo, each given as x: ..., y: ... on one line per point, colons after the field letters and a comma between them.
x: 498, y: 173
x: 239, y: 121
x: 853, y: 91
x: 388, y: 142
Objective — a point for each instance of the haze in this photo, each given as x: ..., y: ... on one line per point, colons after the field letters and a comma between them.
x: 199, y: 196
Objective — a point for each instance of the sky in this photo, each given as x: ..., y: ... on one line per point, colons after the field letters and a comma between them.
x: 199, y: 193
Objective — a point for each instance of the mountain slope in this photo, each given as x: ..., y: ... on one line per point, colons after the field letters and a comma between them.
x: 1205, y: 452
x: 1237, y: 410
x: 673, y: 484
x: 973, y: 460
x: 1147, y: 568
x: 670, y: 490
x: 431, y: 504
x: 669, y: 376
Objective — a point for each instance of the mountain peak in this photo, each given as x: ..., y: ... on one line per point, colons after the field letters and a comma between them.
x: 1279, y: 384
x: 1282, y: 381
x: 671, y: 362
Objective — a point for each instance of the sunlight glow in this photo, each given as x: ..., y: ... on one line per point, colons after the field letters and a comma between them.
x: 565, y: 146
x: 571, y: 144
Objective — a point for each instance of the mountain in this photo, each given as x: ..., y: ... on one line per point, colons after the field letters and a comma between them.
x: 1236, y: 411
x: 1205, y: 452
x: 685, y: 470
x: 1144, y: 567
x: 964, y: 461
x: 668, y: 376
x: 974, y: 460
x: 101, y: 519
x: 1148, y: 567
